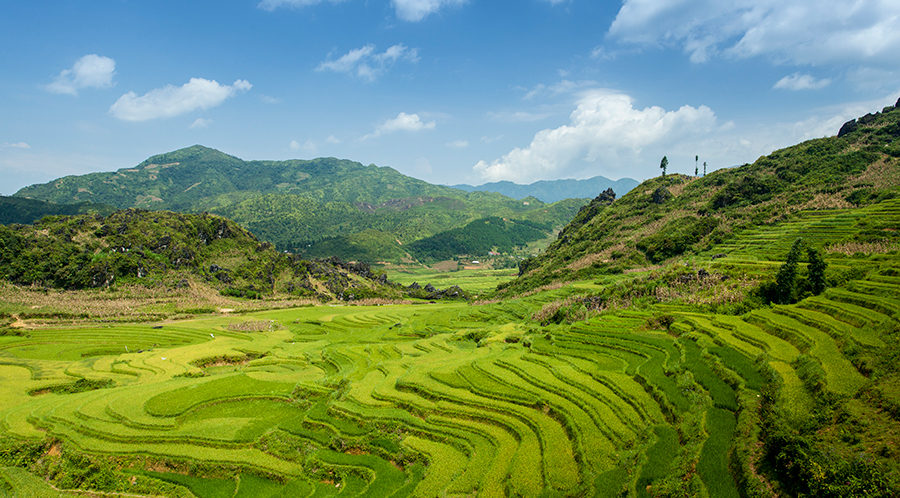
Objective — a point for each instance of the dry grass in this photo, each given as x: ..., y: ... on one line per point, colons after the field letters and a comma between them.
x: 851, y: 248
x: 255, y: 326
x: 603, y: 256
x: 575, y: 314
x: 378, y: 301
x: 826, y: 201
x: 883, y: 174
x: 38, y: 307
x: 707, y: 291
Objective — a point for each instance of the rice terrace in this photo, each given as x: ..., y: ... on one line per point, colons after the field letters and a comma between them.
x: 727, y: 335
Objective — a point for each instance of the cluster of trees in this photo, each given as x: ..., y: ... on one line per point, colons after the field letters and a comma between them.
x: 789, y: 285
x: 478, y: 238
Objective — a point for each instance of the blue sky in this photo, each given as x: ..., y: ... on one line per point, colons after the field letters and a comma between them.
x: 449, y: 91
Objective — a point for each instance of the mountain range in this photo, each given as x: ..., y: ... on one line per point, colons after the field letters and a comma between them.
x: 302, y: 206
x: 555, y: 190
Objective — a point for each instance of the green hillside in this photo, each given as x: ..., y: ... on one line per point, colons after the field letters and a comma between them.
x: 300, y: 206
x: 198, y: 178
x: 27, y: 211
x: 165, y: 249
x: 666, y: 217
x: 479, y: 238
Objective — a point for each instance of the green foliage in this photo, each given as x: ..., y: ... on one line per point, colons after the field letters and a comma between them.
x: 478, y: 238
x: 663, y: 164
x: 316, y: 208
x: 27, y: 211
x: 815, y: 272
x: 786, y: 278
x: 676, y: 237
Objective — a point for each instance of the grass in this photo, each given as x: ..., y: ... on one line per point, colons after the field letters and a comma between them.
x: 432, y: 399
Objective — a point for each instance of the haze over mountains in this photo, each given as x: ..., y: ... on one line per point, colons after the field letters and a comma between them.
x: 555, y: 190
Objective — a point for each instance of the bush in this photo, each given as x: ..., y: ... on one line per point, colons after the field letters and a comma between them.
x: 676, y: 237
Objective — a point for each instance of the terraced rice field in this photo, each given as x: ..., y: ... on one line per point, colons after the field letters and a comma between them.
x: 434, y: 399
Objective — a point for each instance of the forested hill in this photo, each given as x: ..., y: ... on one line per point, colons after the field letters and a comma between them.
x: 298, y: 204
x: 162, y: 249
x: 673, y: 215
x: 27, y: 211
x: 198, y: 178
x: 556, y: 190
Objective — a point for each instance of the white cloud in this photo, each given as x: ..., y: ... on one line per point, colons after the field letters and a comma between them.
x: 368, y: 64
x: 560, y: 88
x: 797, y: 81
x: 796, y: 31
x: 172, y: 101
x: 309, y: 146
x: 90, y: 71
x: 274, y: 4
x: 18, y: 145
x: 403, y: 122
x: 458, y: 144
x: 201, y: 123
x: 268, y: 99
x: 416, y: 10
x: 605, y: 128
x: 332, y: 139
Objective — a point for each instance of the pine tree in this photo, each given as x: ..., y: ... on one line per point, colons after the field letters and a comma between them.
x: 704, y: 168
x: 696, y: 167
x: 664, y: 164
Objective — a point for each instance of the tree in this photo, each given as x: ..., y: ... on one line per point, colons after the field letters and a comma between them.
x: 664, y: 164
x: 786, y: 279
x: 704, y: 168
x: 815, y: 272
x: 696, y: 167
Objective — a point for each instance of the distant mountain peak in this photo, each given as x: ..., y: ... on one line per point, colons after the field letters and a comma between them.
x: 551, y: 191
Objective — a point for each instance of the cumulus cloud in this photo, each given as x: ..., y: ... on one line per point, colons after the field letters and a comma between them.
x: 18, y: 145
x: 172, y: 101
x: 403, y: 122
x: 368, y: 64
x: 274, y: 4
x: 416, y: 10
x: 796, y: 31
x: 797, y: 81
x: 90, y: 71
x: 605, y: 127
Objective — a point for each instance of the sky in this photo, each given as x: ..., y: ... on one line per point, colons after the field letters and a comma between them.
x: 448, y: 91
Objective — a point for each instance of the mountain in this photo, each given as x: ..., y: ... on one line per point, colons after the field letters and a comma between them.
x: 556, y: 190
x: 27, y: 211
x: 300, y: 206
x: 667, y: 217
x: 166, y: 249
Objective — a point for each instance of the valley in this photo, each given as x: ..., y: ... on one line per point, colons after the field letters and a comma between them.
x: 730, y: 335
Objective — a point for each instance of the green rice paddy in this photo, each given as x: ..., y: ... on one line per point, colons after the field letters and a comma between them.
x: 433, y: 400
